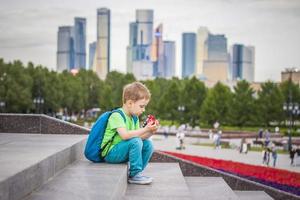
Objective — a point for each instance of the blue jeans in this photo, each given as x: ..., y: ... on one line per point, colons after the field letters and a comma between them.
x: 135, y: 150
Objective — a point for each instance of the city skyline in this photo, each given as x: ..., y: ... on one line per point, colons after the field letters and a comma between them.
x: 29, y: 34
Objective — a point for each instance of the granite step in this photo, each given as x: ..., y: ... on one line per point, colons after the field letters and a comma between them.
x: 168, y: 183
x: 29, y: 160
x: 249, y: 195
x: 210, y: 188
x: 85, y: 180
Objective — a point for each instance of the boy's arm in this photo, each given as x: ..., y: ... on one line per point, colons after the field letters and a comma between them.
x: 125, y: 134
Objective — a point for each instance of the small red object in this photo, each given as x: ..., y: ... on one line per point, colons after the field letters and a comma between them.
x: 150, y: 119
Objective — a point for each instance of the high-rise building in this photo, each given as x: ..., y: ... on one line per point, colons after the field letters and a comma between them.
x: 201, y: 50
x: 80, y: 42
x: 169, y: 58
x: 102, y: 61
x: 140, y: 43
x: 242, y: 62
x: 157, y: 55
x: 92, y: 51
x: 65, y: 48
x: 212, y: 56
x: 188, y: 54
x: 144, y: 20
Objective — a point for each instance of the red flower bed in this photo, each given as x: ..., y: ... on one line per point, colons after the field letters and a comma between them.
x: 278, y: 176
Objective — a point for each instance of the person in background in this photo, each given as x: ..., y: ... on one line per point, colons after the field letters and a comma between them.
x: 274, y: 154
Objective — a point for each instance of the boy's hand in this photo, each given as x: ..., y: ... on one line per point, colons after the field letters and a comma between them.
x: 152, y: 127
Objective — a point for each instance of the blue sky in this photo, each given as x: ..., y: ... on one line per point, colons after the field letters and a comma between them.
x: 28, y: 29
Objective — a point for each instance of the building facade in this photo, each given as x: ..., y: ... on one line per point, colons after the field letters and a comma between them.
x: 80, y: 43
x: 170, y: 58
x: 139, y: 50
x: 242, y: 62
x: 102, y: 55
x: 188, y: 54
x: 92, y: 52
x: 65, y: 48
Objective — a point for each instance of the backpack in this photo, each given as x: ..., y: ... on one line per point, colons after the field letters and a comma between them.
x: 93, y: 148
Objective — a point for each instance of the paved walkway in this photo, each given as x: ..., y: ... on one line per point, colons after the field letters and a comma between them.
x: 254, y: 158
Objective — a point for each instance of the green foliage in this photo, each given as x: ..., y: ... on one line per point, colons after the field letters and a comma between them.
x: 242, y: 105
x: 270, y: 104
x: 20, y: 84
x: 216, y: 105
x: 193, y: 95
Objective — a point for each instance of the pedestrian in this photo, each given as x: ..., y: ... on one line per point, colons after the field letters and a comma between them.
x: 266, y: 156
x: 210, y: 134
x: 218, y: 142
x: 267, y: 137
x: 181, y: 130
x: 292, y: 154
x: 274, y: 154
x: 260, y: 133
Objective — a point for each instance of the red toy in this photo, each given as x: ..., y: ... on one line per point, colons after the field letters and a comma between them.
x: 150, y: 120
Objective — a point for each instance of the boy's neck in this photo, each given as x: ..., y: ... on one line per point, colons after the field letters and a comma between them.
x: 126, y: 110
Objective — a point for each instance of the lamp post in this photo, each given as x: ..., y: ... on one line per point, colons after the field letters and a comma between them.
x: 293, y: 110
x: 181, y: 109
x: 2, y: 106
x: 38, y: 101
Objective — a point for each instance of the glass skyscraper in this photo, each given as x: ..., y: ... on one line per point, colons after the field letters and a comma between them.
x: 169, y: 58
x: 102, y: 62
x: 242, y: 62
x: 212, y: 56
x: 80, y: 42
x: 140, y: 43
x: 188, y: 54
x: 92, y: 51
x: 65, y: 48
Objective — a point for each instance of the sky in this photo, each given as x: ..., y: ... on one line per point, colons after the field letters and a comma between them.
x: 28, y: 29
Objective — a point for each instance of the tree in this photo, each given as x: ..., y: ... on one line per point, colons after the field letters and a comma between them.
x: 193, y: 95
x: 270, y: 102
x: 16, y: 89
x: 242, y: 107
x: 116, y: 81
x: 216, y: 105
x: 169, y: 102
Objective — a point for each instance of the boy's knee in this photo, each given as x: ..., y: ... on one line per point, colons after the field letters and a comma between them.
x: 136, y: 141
x: 147, y: 144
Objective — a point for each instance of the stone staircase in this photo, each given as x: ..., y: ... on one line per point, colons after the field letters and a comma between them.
x: 51, y: 167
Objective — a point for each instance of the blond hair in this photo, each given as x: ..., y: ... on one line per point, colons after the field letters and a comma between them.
x: 135, y: 91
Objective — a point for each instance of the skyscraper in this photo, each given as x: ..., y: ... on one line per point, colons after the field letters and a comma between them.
x: 188, y: 54
x: 242, y: 62
x: 158, y: 53
x: 92, y: 51
x: 169, y: 58
x: 65, y: 48
x: 80, y: 42
x: 102, y: 61
x: 201, y: 49
x: 144, y: 20
x: 140, y: 44
x: 212, y: 56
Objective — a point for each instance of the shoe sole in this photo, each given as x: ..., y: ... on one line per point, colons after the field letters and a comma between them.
x: 140, y: 182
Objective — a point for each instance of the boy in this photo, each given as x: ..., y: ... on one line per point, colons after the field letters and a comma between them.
x: 131, y: 143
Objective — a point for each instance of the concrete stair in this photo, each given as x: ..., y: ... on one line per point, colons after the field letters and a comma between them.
x: 51, y: 167
x: 210, y: 188
x: 249, y: 195
x: 85, y: 180
x: 27, y: 161
x: 168, y: 183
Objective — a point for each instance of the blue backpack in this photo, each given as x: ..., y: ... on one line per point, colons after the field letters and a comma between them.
x: 93, y: 148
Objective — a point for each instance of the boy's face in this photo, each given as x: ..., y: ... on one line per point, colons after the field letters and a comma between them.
x: 138, y: 107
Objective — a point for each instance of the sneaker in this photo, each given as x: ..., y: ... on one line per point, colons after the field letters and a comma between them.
x: 140, y: 179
